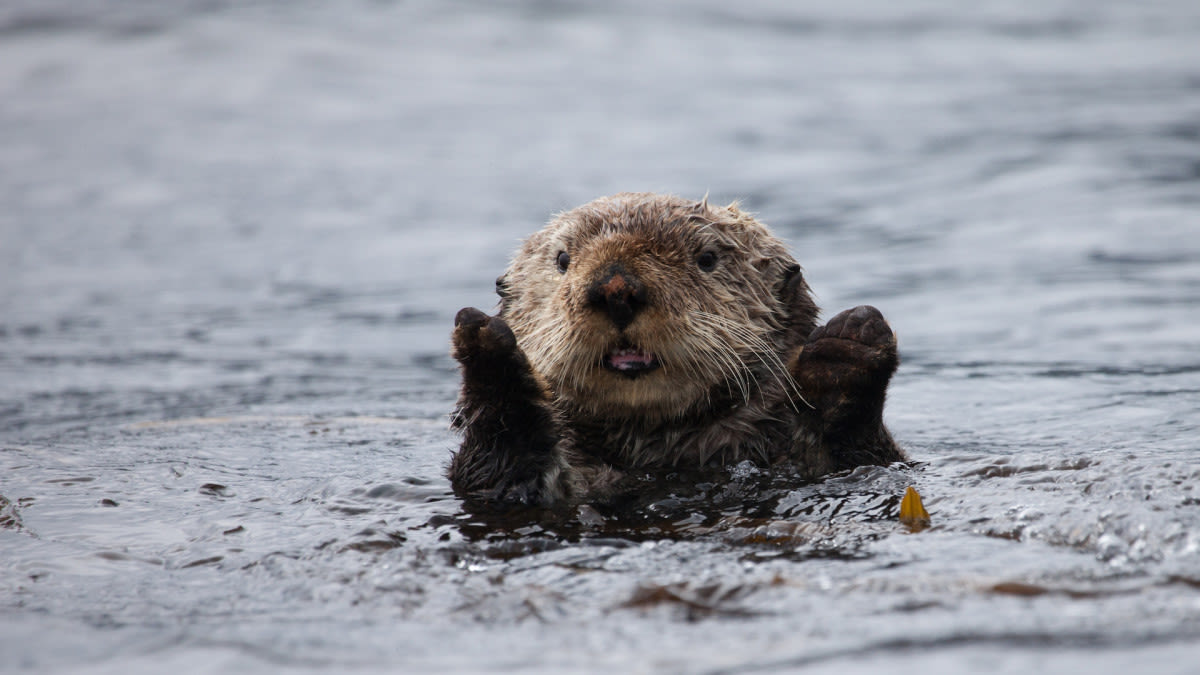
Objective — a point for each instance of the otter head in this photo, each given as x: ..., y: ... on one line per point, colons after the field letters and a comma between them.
x: 645, y: 308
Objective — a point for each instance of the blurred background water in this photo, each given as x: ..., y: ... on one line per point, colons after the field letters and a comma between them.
x: 234, y: 236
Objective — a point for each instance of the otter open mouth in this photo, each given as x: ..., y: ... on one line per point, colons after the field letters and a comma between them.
x: 630, y: 361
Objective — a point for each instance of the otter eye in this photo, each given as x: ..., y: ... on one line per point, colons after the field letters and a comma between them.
x: 707, y: 261
x: 564, y: 261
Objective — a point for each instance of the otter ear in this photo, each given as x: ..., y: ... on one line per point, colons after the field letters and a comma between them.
x: 791, y: 271
x: 797, y: 300
x: 790, y: 286
x: 502, y: 290
x: 791, y: 282
x: 784, y: 275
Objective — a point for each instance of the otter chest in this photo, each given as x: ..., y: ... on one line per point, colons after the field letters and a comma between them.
x: 726, y: 441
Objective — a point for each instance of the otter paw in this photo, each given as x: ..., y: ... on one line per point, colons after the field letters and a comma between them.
x: 477, y: 334
x: 863, y: 324
x: 858, y: 339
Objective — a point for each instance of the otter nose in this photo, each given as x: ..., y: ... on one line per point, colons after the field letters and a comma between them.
x: 619, y: 293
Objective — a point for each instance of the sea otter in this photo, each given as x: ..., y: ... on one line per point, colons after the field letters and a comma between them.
x: 644, y: 332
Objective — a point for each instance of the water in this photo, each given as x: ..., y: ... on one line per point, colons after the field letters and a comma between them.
x: 234, y: 238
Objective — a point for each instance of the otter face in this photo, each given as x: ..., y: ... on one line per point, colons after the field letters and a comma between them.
x: 647, y: 307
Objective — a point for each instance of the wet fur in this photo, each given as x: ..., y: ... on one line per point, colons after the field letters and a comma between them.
x: 744, y: 371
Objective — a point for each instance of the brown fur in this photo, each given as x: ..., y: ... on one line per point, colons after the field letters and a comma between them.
x: 725, y: 313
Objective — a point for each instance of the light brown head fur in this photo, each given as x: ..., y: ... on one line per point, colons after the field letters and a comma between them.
x: 703, y: 302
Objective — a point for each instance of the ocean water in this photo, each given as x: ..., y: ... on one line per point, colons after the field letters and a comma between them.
x: 234, y: 237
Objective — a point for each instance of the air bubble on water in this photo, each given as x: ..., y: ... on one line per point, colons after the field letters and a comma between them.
x: 744, y: 470
x: 1111, y: 548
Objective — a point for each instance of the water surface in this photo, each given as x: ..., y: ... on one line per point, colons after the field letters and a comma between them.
x: 235, y: 237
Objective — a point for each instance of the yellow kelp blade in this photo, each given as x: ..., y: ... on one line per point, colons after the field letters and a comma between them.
x: 912, y: 511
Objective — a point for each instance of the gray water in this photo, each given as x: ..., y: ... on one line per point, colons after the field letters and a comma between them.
x: 233, y: 237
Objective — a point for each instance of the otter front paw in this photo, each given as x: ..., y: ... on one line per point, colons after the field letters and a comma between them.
x: 491, y: 360
x: 859, y: 337
x: 843, y: 370
x: 479, y: 336
x: 509, y: 430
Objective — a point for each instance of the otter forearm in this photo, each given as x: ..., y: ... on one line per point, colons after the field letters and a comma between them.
x: 508, y: 451
x: 843, y: 372
x: 509, y: 429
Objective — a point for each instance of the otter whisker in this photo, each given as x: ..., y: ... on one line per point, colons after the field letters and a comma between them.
x: 770, y: 360
x: 774, y: 364
x: 760, y: 349
x: 723, y: 354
